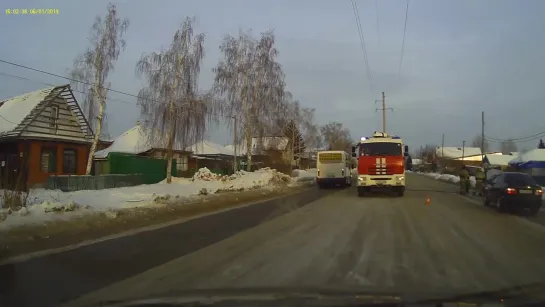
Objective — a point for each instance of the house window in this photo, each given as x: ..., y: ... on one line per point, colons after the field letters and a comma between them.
x: 181, y: 164
x: 69, y: 159
x: 47, y: 160
x: 53, y: 117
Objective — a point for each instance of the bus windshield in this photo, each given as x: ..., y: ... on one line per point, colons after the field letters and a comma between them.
x: 380, y: 149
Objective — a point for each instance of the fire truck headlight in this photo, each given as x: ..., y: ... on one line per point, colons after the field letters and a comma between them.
x: 361, y: 178
x: 400, y: 178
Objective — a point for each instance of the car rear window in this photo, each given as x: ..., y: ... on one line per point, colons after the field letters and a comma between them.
x: 519, y: 179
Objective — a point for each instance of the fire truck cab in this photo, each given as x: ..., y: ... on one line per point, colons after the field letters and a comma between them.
x: 381, y: 163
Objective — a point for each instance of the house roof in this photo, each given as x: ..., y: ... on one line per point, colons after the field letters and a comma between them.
x: 457, y: 152
x: 135, y: 141
x: 498, y: 159
x: 534, y: 155
x: 17, y: 112
x: 208, y: 148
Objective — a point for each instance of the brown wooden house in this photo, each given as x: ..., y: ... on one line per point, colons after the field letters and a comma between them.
x: 42, y: 133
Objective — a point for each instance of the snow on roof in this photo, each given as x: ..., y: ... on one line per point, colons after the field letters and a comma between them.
x: 498, y: 159
x: 14, y: 110
x: 532, y: 155
x: 134, y: 141
x: 457, y: 152
x: 209, y: 148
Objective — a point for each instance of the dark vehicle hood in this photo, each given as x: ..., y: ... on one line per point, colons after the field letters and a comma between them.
x: 534, y: 293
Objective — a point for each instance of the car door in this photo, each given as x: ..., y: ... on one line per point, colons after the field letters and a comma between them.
x: 487, y: 185
x: 496, y: 188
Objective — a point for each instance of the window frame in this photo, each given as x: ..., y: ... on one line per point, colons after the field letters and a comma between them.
x: 54, y: 116
x: 183, y: 160
x: 52, y: 163
x: 64, y: 164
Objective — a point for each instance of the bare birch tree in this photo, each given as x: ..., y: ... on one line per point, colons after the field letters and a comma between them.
x: 251, y: 81
x: 173, y: 109
x: 336, y: 136
x: 93, y: 67
x: 311, y: 131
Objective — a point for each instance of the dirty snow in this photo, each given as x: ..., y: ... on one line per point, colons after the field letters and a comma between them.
x: 47, y: 205
x: 303, y: 176
x: 448, y: 178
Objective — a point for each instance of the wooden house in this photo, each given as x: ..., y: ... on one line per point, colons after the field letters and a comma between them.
x: 42, y: 133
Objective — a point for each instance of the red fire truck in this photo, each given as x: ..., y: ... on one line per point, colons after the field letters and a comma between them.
x: 381, y: 163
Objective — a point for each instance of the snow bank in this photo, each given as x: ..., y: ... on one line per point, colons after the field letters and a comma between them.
x: 447, y: 177
x: 303, y: 176
x: 46, y: 205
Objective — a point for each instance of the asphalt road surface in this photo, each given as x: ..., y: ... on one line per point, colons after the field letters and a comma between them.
x: 452, y: 245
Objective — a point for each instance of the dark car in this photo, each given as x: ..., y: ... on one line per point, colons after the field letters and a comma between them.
x: 510, y: 191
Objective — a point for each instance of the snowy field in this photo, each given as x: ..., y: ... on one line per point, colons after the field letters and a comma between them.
x: 48, y: 205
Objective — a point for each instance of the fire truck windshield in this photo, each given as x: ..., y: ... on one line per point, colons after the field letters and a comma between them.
x: 380, y: 149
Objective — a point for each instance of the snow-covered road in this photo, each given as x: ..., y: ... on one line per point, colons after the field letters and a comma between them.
x: 451, y: 245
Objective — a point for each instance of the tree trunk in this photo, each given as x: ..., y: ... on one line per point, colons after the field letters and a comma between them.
x: 171, y: 131
x: 248, y: 137
x: 93, y: 149
x: 101, y: 108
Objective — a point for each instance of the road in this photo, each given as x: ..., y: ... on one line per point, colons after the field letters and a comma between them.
x: 452, y: 245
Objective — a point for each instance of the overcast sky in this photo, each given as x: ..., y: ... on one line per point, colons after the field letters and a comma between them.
x: 461, y: 57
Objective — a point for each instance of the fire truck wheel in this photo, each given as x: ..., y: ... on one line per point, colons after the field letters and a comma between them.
x: 361, y: 191
x: 400, y: 192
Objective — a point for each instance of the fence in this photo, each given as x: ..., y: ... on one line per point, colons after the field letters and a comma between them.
x: 118, y: 170
x: 69, y: 183
x: 153, y: 170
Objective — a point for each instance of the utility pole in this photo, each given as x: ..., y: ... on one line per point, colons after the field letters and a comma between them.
x: 482, y: 138
x: 463, y: 151
x: 383, y: 109
x: 443, y: 146
x: 235, y: 143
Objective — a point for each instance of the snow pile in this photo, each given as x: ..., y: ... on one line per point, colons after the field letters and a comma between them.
x: 447, y: 177
x: 46, y: 205
x: 300, y: 176
x: 260, y: 177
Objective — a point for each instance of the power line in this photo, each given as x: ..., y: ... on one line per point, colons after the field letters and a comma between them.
x: 403, y: 42
x: 49, y: 84
x: 362, y: 44
x: 378, y: 23
x: 517, y: 140
x: 90, y: 84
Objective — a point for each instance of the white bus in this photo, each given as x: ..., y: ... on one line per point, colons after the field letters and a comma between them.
x: 333, y: 168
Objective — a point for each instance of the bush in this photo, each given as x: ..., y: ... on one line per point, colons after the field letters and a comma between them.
x: 14, y: 200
